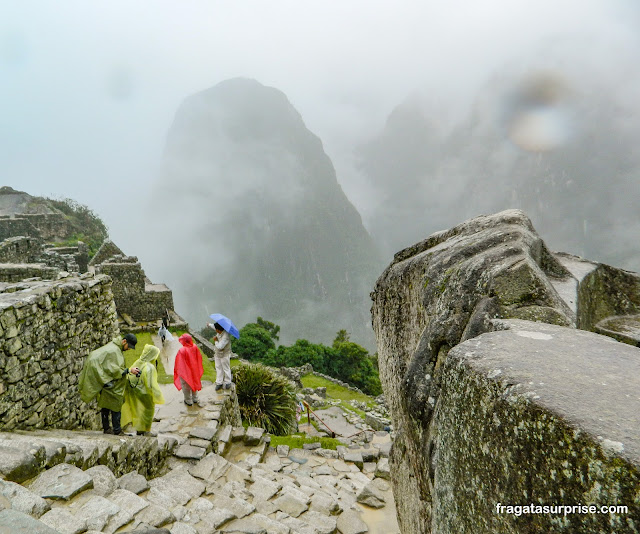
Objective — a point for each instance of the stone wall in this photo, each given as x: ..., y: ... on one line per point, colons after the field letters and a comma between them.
x: 294, y: 373
x: 128, y: 279
x: 51, y: 226
x: 17, y: 226
x: 30, y: 250
x: 133, y: 295
x: 46, y: 330
x: 107, y: 250
x: 62, y: 262
x: 77, y: 256
x: 20, y: 250
x: 153, y: 302
x: 15, y: 272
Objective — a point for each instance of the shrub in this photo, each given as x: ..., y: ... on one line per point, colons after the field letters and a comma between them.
x: 87, y: 226
x: 266, y: 399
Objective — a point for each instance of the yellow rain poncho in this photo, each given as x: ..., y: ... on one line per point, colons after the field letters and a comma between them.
x: 143, y: 392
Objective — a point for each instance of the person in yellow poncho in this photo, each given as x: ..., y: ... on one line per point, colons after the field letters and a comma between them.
x: 143, y: 392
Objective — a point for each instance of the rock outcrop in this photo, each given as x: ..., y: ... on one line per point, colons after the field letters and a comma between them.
x: 453, y: 287
x: 260, y: 202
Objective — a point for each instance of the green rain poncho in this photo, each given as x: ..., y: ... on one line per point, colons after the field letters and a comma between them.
x: 103, y: 366
x: 143, y: 392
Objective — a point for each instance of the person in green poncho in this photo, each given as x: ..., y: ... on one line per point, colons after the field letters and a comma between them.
x: 103, y: 377
x: 143, y: 392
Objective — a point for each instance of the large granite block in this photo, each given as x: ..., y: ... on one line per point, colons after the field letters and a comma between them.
x: 537, y: 415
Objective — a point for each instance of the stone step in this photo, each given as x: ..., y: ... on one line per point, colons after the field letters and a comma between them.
x: 25, y: 454
x: 251, y: 443
x: 215, y: 476
x: 204, y: 496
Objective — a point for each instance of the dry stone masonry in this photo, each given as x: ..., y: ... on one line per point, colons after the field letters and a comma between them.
x: 46, y: 330
x: 495, y: 396
x: 134, y: 294
x: 20, y: 250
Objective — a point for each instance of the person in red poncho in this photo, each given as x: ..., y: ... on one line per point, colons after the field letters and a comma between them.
x: 187, y: 370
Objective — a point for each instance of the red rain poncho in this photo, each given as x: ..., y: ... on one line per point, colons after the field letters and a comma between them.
x: 188, y: 364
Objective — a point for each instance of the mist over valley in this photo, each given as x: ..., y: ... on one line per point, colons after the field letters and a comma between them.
x: 260, y: 167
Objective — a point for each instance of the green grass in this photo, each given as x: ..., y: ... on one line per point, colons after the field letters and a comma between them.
x: 295, y: 441
x: 144, y: 338
x: 340, y: 393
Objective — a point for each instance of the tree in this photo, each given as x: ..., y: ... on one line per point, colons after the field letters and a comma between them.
x: 208, y: 332
x: 344, y: 360
x: 270, y: 327
x: 255, y: 341
x: 341, y: 337
x: 352, y: 363
x: 301, y: 352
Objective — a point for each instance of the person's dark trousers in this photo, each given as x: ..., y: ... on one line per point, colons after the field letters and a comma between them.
x: 115, y: 419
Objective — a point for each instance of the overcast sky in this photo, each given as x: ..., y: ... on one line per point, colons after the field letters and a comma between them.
x: 88, y: 89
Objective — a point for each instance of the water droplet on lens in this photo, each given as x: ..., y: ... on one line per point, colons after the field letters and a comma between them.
x: 538, y: 113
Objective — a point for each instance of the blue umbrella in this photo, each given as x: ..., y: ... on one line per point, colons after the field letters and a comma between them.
x: 226, y: 324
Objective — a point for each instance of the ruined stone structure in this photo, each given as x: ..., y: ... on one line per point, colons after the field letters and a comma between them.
x: 15, y: 272
x: 50, y: 319
x: 45, y: 226
x: 46, y: 330
x: 493, y: 406
x: 20, y: 250
x: 133, y: 292
x: 24, y: 257
x: 107, y: 250
x: 78, y: 255
x: 28, y: 250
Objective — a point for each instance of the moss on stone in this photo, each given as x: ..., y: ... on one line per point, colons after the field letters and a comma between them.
x: 496, y: 446
x: 541, y: 314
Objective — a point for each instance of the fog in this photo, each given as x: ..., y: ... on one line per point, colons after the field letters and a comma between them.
x: 88, y: 92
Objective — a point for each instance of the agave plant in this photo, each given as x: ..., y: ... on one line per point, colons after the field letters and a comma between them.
x: 266, y: 399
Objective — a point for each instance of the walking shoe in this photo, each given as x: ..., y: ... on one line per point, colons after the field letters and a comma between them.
x: 108, y: 431
x: 218, y: 387
x: 227, y: 386
x: 188, y: 403
x: 196, y: 401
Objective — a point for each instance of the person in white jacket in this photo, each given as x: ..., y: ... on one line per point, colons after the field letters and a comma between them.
x: 222, y: 344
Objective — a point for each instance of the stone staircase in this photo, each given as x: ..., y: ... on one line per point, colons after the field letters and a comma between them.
x: 202, y: 474
x: 306, y: 491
